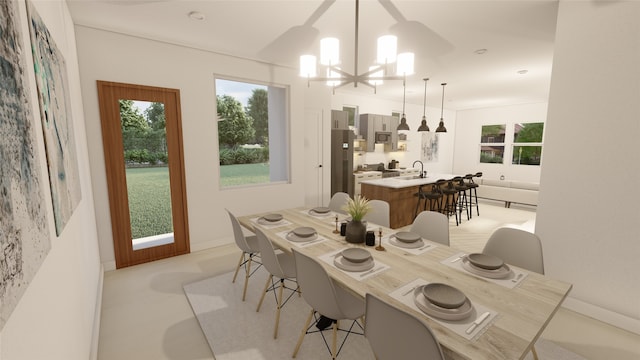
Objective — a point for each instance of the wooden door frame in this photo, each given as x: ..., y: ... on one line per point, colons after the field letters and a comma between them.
x: 109, y: 94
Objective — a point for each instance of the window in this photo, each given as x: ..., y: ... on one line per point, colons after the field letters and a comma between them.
x: 492, y: 144
x: 252, y: 133
x: 352, y: 112
x: 527, y: 144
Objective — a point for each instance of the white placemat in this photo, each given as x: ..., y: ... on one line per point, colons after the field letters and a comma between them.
x: 277, y: 224
x: 511, y: 281
x: 428, y: 246
x: 405, y: 295
x: 363, y: 275
x: 302, y: 244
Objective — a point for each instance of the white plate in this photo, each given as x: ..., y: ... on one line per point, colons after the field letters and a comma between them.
x: 436, y: 311
x: 347, y: 265
x: 295, y: 238
x: 414, y: 245
x: 500, y: 273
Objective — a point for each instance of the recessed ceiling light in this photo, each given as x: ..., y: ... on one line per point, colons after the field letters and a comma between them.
x: 196, y: 15
x: 480, y: 51
x: 522, y: 72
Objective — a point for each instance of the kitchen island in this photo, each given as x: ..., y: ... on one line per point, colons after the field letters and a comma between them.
x: 400, y: 192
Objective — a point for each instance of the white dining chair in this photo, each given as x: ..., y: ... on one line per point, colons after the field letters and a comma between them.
x: 517, y: 247
x: 433, y: 226
x: 396, y: 334
x: 281, y: 266
x: 379, y: 213
x: 338, y: 201
x: 249, y: 247
x: 325, y: 298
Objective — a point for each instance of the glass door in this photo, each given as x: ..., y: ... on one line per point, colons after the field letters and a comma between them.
x: 145, y: 172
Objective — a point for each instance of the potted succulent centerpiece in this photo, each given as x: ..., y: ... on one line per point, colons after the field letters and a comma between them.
x: 357, y: 208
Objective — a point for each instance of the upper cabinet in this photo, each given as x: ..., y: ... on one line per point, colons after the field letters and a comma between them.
x: 379, y: 129
x: 339, y: 119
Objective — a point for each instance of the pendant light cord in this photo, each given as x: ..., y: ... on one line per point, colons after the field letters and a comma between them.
x: 442, y: 109
x: 424, y: 106
x: 404, y: 94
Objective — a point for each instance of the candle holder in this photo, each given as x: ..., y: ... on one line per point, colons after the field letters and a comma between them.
x: 380, y: 247
x: 336, y: 231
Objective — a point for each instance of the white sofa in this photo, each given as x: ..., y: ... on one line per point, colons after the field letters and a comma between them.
x: 508, y: 191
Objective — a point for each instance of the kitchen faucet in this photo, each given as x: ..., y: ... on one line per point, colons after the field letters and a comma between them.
x: 422, y: 174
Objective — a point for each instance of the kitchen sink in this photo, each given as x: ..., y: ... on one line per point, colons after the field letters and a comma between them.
x: 414, y: 177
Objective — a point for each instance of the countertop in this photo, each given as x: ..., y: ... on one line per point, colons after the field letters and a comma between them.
x: 399, y: 182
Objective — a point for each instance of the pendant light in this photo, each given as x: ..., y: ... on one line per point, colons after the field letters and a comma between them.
x: 441, y: 127
x: 423, y: 124
x: 403, y: 122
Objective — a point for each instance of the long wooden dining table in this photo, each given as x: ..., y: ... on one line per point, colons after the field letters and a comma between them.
x: 521, y: 312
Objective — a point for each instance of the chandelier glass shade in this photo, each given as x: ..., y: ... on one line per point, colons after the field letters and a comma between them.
x: 386, y: 57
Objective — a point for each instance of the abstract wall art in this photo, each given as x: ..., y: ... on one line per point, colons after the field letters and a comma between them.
x: 24, y: 230
x: 429, y: 148
x: 57, y: 124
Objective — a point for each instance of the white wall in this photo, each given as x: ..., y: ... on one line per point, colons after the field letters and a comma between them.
x: 115, y: 57
x: 589, y: 204
x: 372, y: 104
x: 55, y: 317
x: 467, y: 147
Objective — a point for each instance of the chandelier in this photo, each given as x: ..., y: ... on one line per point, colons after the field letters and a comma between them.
x: 386, y: 58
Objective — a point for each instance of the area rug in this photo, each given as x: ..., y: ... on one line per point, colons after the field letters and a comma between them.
x: 235, y: 331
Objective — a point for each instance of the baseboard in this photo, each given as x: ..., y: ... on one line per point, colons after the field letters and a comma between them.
x: 607, y: 316
x: 95, y: 337
x: 210, y: 244
x: 109, y: 265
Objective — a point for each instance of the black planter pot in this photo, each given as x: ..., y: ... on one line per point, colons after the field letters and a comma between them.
x: 356, y: 231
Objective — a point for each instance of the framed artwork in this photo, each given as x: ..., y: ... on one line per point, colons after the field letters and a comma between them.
x: 57, y: 124
x: 24, y: 230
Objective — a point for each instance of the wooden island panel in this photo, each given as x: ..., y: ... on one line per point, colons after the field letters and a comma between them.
x: 402, y: 201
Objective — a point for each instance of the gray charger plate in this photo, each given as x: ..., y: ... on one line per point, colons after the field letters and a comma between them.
x: 444, y: 295
x: 341, y: 263
x: 356, y: 255
x: 304, y: 231
x: 293, y: 237
x: 273, y: 217
x: 414, y: 245
x: 436, y: 311
x: 321, y: 210
x: 500, y: 273
x: 407, y: 236
x: 485, y: 261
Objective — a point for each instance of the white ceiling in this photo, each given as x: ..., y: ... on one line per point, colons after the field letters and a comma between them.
x: 444, y: 35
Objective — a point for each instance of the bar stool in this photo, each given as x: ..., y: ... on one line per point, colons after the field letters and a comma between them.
x: 473, y: 193
x: 450, y: 205
x: 461, y: 187
x: 431, y: 198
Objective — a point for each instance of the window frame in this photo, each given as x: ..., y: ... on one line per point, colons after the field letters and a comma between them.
x: 279, y: 132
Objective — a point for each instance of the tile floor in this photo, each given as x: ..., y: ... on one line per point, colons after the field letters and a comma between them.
x: 145, y: 314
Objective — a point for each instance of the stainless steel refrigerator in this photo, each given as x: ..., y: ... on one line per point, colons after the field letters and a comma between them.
x: 342, y: 161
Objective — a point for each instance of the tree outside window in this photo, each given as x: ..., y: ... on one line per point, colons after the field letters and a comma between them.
x: 527, y: 148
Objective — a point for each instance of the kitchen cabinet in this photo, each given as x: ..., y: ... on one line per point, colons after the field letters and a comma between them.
x: 359, y: 177
x: 370, y: 124
x: 339, y: 119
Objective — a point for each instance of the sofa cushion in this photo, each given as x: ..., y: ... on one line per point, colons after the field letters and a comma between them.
x: 491, y: 182
x: 525, y: 185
